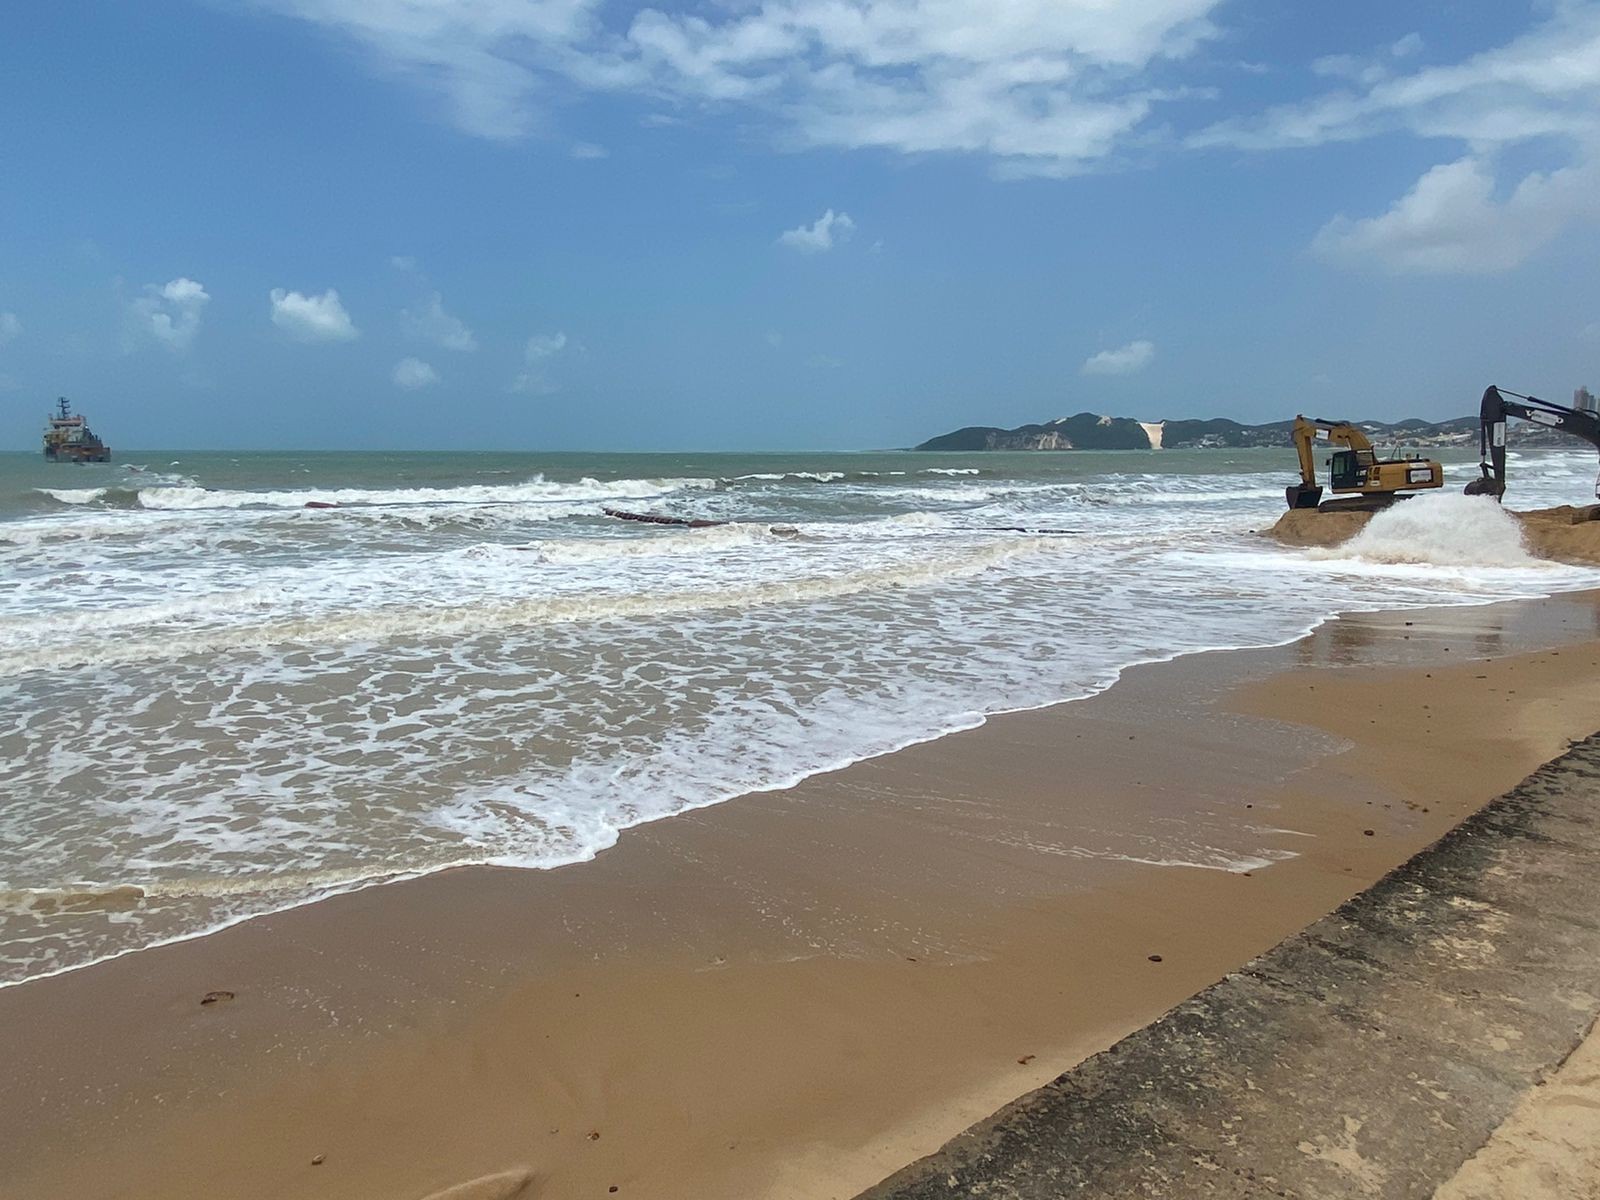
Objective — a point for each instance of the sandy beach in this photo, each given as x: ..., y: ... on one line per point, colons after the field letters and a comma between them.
x: 795, y: 993
x: 815, y: 600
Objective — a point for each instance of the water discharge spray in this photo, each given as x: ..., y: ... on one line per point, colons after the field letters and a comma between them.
x: 1444, y: 530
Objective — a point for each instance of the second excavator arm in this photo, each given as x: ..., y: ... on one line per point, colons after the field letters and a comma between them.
x: 1492, y: 414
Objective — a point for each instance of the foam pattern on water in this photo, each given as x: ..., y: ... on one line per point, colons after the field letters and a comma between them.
x: 223, y: 702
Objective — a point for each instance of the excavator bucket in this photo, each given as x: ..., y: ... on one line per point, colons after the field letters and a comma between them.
x: 1486, y: 485
x: 1303, y: 495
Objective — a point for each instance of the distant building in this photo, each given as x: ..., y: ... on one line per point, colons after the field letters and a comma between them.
x: 1585, y: 400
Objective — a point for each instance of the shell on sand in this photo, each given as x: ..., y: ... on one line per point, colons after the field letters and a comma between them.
x: 507, y: 1185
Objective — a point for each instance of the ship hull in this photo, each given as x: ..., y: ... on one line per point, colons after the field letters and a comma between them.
x: 78, y: 454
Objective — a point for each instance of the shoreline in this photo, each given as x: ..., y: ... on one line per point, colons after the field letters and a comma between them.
x: 589, y: 855
x: 922, y: 931
x: 1433, y: 1036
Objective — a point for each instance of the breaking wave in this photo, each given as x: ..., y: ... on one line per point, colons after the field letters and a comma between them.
x: 465, y: 662
x: 167, y: 631
x: 535, y: 490
x: 73, y: 495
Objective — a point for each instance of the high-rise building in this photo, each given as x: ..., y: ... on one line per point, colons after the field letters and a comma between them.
x: 1585, y: 400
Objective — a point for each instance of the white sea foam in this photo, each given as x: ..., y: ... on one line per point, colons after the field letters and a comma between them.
x: 778, y: 476
x: 673, y: 542
x: 235, y: 704
x: 74, y: 495
x: 182, y: 628
x: 535, y: 490
x: 920, y: 520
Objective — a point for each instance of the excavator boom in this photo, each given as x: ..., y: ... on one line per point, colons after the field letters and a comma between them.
x: 1492, y: 414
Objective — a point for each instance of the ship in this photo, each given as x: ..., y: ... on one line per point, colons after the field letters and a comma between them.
x: 68, y: 438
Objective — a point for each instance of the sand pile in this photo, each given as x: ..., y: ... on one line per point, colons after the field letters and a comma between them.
x: 1564, y: 534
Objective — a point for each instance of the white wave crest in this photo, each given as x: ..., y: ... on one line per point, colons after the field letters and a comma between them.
x: 685, y: 542
x: 777, y: 476
x: 162, y: 632
x: 73, y: 495
x: 537, y: 489
x: 919, y: 520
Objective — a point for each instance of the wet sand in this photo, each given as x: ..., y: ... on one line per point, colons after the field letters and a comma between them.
x: 795, y: 993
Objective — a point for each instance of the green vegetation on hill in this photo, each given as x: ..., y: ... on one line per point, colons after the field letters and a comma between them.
x: 1085, y: 431
x: 1089, y: 431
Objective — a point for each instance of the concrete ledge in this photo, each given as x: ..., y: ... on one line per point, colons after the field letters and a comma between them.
x: 1370, y: 1054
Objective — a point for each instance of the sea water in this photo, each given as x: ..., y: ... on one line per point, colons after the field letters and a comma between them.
x: 216, y: 701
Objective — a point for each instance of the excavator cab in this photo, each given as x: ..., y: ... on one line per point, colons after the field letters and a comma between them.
x: 1347, y: 469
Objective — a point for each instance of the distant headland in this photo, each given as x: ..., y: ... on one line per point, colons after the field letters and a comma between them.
x: 1091, y: 431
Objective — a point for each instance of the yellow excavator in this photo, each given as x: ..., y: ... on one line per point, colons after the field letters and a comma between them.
x: 1355, y: 471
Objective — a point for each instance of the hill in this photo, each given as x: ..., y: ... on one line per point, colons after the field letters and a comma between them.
x: 1091, y: 431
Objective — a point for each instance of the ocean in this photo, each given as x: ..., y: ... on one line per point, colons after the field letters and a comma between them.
x: 216, y: 701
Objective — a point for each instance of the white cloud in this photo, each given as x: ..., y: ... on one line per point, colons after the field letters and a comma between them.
x: 1542, y: 87
x: 774, y: 339
x: 431, y: 323
x: 1368, y: 70
x: 312, y: 318
x: 824, y: 233
x: 168, y: 314
x: 588, y: 150
x: 1451, y: 222
x: 484, y: 59
x: 1051, y: 84
x: 1043, y: 86
x: 403, y: 262
x: 540, y: 349
x: 1544, y: 83
x: 1125, y: 360
x: 10, y: 327
x: 1407, y: 47
x: 413, y: 373
x: 1036, y: 87
x: 544, y: 345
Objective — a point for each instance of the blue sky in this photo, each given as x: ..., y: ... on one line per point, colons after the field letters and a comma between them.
x: 580, y: 224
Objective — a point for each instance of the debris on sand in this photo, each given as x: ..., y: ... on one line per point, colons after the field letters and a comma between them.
x: 507, y: 1185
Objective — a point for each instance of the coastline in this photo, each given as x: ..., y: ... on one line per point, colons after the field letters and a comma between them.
x: 116, y: 890
x: 796, y: 992
x: 1431, y: 1037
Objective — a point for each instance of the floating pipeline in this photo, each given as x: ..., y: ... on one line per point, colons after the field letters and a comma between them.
x: 659, y: 519
x: 698, y: 523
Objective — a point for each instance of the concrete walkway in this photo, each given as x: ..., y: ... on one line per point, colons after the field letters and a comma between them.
x: 1370, y: 1055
